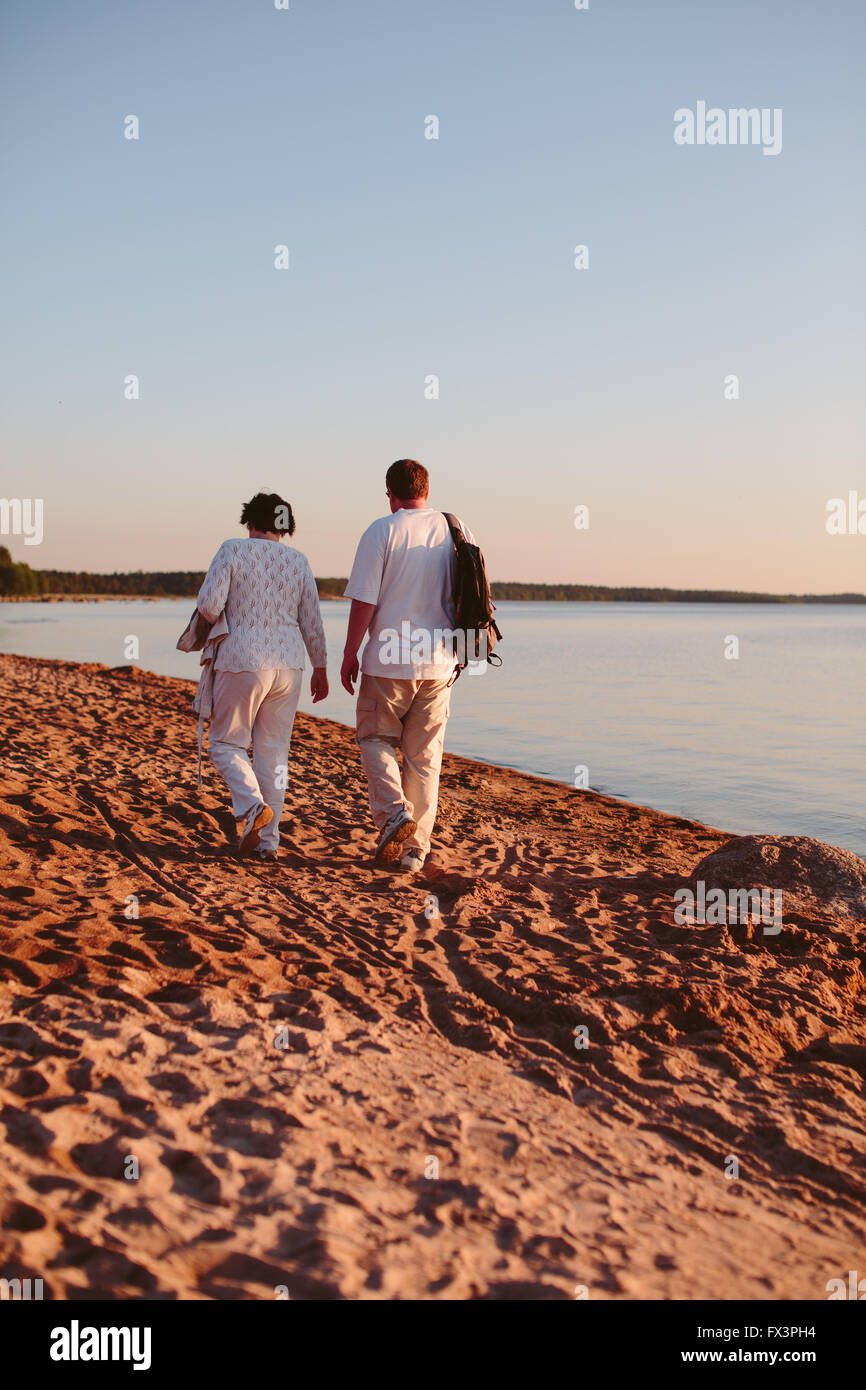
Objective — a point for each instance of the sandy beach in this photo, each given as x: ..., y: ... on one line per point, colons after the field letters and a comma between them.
x: 219, y: 1079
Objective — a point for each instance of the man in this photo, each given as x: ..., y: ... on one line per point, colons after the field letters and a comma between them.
x: 401, y: 592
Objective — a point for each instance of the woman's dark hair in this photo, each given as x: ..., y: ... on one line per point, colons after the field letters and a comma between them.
x: 268, y: 512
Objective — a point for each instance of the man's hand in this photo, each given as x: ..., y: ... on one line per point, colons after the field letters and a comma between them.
x: 319, y: 684
x: 360, y: 618
x: 349, y: 671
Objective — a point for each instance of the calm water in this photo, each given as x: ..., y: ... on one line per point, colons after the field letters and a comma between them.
x: 639, y: 694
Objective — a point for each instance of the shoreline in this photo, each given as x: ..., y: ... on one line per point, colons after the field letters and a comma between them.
x: 142, y: 676
x: 735, y: 828
x: 510, y: 1075
x: 768, y: 600
x: 127, y: 598
x: 549, y: 779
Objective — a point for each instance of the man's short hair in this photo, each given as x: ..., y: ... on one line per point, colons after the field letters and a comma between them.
x: 267, y: 511
x: 407, y: 480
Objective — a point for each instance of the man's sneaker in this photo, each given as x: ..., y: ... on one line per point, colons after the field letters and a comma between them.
x: 252, y: 824
x: 267, y: 856
x: 397, y: 829
x: 413, y: 861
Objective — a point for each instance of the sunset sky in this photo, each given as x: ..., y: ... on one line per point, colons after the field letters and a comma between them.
x: 412, y: 257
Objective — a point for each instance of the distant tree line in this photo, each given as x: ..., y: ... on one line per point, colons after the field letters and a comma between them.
x: 18, y: 579
x: 577, y: 593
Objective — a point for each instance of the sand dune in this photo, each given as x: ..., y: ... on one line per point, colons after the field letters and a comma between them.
x: 352, y: 1084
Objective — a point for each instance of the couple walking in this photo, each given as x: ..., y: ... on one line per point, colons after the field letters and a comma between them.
x: 260, y: 607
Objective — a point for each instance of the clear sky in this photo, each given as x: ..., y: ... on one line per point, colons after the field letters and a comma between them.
x: 411, y: 257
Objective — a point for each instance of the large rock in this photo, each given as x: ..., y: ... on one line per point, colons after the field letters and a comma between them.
x: 801, y: 867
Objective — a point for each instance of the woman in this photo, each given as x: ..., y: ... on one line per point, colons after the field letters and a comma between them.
x: 269, y: 596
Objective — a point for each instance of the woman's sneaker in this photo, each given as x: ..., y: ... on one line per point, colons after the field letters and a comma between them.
x: 396, y: 830
x: 252, y: 824
x: 413, y: 861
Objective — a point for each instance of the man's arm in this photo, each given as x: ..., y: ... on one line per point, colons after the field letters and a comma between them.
x: 360, y: 618
x: 364, y: 588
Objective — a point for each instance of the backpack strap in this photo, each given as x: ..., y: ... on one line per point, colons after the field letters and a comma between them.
x: 456, y: 536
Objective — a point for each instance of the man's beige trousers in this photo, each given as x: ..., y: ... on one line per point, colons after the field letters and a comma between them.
x: 410, y: 715
x: 258, y: 708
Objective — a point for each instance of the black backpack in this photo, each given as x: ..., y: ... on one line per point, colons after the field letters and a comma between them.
x: 475, y: 631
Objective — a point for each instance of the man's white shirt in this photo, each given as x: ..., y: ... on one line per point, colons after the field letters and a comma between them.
x: 404, y: 565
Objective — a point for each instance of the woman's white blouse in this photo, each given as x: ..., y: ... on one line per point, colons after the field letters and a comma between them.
x: 271, y: 603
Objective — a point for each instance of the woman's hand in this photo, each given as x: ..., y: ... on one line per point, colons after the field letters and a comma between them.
x: 319, y: 684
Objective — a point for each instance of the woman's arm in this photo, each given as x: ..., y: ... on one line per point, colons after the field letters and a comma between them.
x: 215, y: 590
x: 310, y: 623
